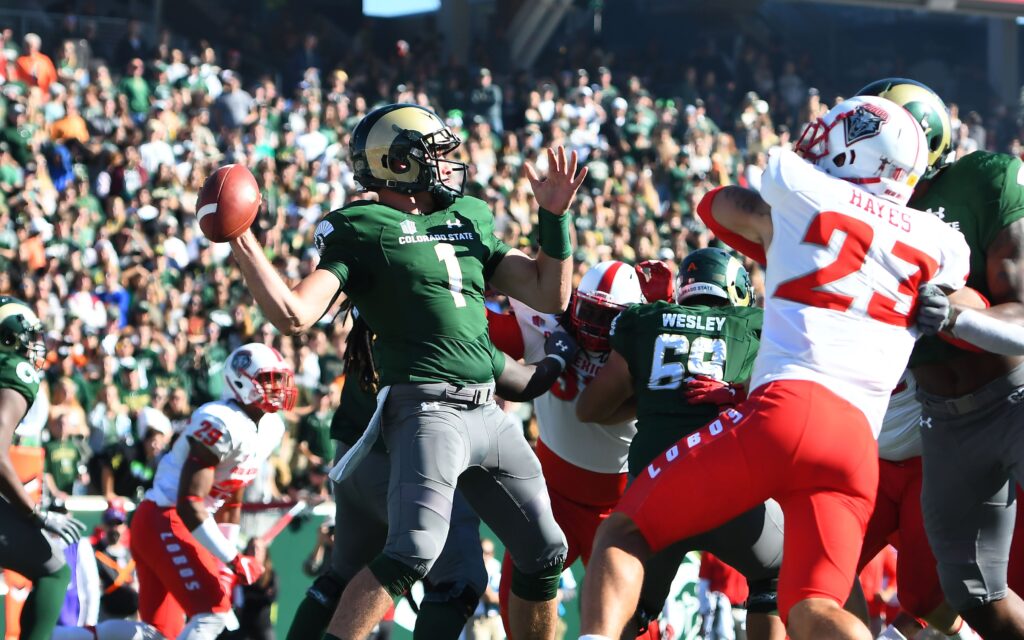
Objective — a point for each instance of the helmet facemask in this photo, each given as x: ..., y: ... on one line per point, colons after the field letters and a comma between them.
x: 276, y: 388
x: 591, y: 315
x: 428, y: 152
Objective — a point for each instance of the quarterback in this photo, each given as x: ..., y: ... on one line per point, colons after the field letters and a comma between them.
x: 837, y: 333
x: 677, y: 364
x: 27, y: 531
x: 457, y: 580
x: 185, y: 531
x: 415, y: 263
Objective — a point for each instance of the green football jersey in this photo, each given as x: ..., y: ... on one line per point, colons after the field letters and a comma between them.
x: 419, y: 282
x: 664, y: 343
x: 979, y: 195
x: 18, y: 373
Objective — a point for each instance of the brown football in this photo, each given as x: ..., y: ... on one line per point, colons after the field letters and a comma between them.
x: 228, y: 203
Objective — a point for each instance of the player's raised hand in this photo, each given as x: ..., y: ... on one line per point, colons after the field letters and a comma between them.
x: 655, y: 280
x: 555, y: 192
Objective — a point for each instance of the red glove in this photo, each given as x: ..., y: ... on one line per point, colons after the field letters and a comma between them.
x: 227, y: 578
x: 655, y: 280
x: 247, y: 569
x: 707, y: 390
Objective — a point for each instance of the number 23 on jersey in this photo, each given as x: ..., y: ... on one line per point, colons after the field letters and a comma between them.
x: 813, y: 289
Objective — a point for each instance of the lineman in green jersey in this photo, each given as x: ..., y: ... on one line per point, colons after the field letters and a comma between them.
x: 28, y: 534
x: 972, y: 418
x: 415, y: 263
x: 676, y: 365
x: 457, y: 580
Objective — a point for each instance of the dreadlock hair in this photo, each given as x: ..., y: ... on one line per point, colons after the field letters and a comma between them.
x: 359, y: 355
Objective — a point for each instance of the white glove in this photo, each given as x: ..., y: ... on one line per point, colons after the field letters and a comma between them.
x: 68, y: 528
x: 934, y: 310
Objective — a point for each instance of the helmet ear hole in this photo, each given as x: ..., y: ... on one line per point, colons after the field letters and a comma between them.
x: 839, y: 159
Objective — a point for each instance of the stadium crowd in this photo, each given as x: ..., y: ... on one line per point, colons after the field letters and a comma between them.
x: 103, y: 153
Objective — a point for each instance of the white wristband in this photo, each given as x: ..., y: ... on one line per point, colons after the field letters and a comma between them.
x: 208, y: 534
x: 988, y: 333
x: 232, y: 532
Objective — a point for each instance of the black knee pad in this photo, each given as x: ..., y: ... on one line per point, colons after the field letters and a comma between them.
x: 461, y: 597
x: 537, y: 587
x: 395, y: 576
x: 763, y: 596
x: 326, y: 590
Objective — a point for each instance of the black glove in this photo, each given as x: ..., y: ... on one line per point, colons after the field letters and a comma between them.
x: 934, y: 310
x: 562, y: 345
x: 69, y: 529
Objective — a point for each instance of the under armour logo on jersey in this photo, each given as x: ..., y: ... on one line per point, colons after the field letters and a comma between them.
x: 939, y: 213
x: 430, y: 406
x: 865, y: 122
x: 925, y: 422
x: 453, y: 223
x: 408, y: 226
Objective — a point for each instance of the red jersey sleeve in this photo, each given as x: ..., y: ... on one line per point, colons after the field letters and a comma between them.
x: 505, y: 334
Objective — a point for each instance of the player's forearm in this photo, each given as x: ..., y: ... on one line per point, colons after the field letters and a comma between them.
x: 986, y: 330
x: 522, y: 383
x: 281, y: 305
x: 554, y: 281
x: 192, y: 511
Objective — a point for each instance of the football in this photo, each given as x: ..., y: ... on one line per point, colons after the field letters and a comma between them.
x: 228, y: 203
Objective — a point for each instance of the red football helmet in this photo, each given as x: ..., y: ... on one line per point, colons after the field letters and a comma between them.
x: 605, y: 290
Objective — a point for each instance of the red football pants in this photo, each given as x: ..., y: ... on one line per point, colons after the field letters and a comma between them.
x: 177, y: 575
x: 580, y: 501
x: 792, y: 440
x: 897, y: 520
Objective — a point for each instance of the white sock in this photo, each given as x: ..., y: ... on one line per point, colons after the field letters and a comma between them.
x: 891, y: 633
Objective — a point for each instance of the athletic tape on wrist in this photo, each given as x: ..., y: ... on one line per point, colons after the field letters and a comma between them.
x: 232, y: 532
x: 988, y: 333
x: 209, y: 535
x: 554, y: 234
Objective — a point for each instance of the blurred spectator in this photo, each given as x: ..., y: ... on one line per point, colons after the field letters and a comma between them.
x: 34, y: 67
x: 318, y: 560
x: 127, y: 469
x: 486, y: 100
x: 115, y: 565
x: 314, y: 433
x: 62, y: 462
x: 131, y: 45
x: 485, y: 624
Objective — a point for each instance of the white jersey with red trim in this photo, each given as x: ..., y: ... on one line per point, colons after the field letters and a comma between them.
x: 844, y: 267
x: 588, y: 445
x: 900, y: 438
x: 241, y: 446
